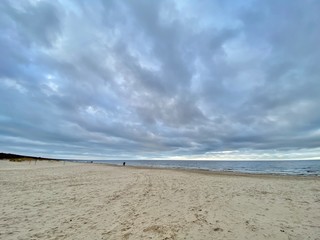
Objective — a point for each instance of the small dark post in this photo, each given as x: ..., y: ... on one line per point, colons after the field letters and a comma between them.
x: 124, y: 163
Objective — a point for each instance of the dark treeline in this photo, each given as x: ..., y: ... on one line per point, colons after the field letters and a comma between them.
x: 14, y: 156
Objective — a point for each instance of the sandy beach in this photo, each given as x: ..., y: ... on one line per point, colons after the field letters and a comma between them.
x: 56, y: 200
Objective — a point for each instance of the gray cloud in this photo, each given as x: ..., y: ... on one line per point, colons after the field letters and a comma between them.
x: 159, y: 79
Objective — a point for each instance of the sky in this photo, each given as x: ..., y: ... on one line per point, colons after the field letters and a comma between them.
x: 149, y: 79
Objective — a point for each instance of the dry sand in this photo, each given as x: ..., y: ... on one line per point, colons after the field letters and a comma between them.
x: 51, y: 200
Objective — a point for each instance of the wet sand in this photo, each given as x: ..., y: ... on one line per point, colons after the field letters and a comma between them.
x: 56, y: 200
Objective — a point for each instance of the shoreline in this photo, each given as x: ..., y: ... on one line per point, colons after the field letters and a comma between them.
x: 182, y: 169
x: 211, y: 172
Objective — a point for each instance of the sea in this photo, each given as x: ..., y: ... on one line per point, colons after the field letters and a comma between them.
x: 296, y: 167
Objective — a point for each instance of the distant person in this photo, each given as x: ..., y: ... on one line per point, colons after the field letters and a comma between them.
x: 124, y: 163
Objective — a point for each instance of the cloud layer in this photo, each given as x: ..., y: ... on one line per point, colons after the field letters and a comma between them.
x: 160, y: 79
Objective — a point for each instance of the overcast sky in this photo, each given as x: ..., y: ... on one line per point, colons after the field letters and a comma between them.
x: 142, y: 79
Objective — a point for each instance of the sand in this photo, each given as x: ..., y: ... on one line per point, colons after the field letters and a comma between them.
x: 53, y: 200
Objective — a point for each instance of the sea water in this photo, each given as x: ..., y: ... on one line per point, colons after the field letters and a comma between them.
x: 302, y: 167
